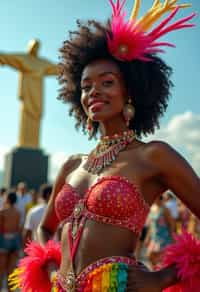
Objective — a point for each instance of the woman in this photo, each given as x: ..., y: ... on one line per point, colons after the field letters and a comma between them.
x: 120, y: 90
x: 161, y: 227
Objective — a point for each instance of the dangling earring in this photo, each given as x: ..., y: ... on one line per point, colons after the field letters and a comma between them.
x: 128, y: 112
x: 89, y: 126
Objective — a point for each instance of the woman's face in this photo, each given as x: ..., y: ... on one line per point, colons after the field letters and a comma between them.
x: 103, y: 92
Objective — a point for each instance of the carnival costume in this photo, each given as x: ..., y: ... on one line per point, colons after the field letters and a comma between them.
x: 112, y: 199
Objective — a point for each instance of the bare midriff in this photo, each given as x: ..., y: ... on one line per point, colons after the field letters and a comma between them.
x: 98, y: 240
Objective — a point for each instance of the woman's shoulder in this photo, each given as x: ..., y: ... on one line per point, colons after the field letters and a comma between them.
x: 158, y: 155
x: 156, y: 148
x: 155, y: 145
x: 72, y: 162
x: 152, y: 146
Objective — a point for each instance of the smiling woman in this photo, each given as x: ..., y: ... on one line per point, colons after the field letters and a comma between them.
x: 103, y: 90
x: 146, y: 84
x: 117, y: 86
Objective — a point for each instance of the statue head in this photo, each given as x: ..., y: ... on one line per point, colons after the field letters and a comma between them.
x: 33, y: 47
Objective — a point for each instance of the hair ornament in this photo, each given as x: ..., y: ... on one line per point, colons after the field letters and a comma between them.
x: 131, y: 39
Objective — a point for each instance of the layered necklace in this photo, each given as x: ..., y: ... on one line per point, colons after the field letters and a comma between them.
x: 107, y: 151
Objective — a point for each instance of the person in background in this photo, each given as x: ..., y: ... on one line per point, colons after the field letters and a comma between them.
x: 161, y: 226
x: 34, y: 202
x: 35, y: 214
x: 140, y: 248
x: 2, y: 193
x: 183, y: 218
x: 23, y: 199
x: 194, y: 226
x: 10, y: 242
x: 170, y: 202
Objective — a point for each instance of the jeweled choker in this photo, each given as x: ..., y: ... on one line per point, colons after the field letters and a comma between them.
x: 107, y: 151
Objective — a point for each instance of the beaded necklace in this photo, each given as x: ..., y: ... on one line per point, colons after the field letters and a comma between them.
x: 107, y: 151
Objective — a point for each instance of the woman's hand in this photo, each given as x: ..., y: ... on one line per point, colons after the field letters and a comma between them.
x: 52, y: 277
x: 51, y: 268
x: 140, y: 279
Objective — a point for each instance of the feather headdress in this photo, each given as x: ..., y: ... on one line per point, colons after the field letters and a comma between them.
x: 131, y: 39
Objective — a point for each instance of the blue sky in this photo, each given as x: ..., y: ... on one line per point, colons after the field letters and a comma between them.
x: 50, y: 21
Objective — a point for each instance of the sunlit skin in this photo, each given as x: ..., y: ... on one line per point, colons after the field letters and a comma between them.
x: 148, y: 165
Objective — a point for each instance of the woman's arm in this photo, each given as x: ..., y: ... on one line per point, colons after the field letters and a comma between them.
x: 177, y: 175
x: 50, y: 221
x: 173, y: 171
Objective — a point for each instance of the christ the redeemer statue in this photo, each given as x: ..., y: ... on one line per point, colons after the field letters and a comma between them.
x: 32, y: 71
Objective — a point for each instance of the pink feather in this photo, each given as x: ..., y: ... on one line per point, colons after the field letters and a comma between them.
x: 165, y: 21
x: 158, y: 32
x: 117, y: 8
x: 127, y: 41
x: 185, y: 254
x: 35, y: 277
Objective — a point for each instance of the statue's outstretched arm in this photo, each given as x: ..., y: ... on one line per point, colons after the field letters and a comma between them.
x: 52, y: 69
x: 14, y: 60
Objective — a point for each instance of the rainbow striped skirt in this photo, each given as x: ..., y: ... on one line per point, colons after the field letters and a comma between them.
x: 107, y: 274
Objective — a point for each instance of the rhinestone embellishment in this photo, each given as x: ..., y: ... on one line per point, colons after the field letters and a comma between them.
x: 78, y: 210
x: 70, y: 282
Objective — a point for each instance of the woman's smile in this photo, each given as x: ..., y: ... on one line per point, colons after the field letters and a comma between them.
x: 97, y: 106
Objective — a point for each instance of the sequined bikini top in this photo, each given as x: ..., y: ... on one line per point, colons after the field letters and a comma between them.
x: 112, y: 200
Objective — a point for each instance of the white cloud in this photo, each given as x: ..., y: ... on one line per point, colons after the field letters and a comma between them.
x: 183, y: 132
x: 3, y: 151
x: 55, y: 162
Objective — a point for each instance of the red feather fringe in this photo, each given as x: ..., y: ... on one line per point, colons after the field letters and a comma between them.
x: 35, y: 276
x: 185, y: 254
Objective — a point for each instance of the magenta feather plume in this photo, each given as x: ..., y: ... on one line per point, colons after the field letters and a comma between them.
x: 34, y: 277
x: 117, y: 8
x: 127, y: 41
x: 160, y: 30
x: 185, y: 254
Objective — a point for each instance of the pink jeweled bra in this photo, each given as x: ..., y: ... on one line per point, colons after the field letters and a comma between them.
x: 111, y: 200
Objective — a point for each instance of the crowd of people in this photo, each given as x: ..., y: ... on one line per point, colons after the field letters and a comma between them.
x: 21, y: 211
x: 168, y: 216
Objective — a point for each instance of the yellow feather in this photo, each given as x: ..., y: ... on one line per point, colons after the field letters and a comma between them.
x: 135, y: 10
x: 156, y: 3
x: 157, y: 11
x: 14, y: 278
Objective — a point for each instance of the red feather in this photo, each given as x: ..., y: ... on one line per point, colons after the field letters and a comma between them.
x: 185, y: 254
x: 35, y: 277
